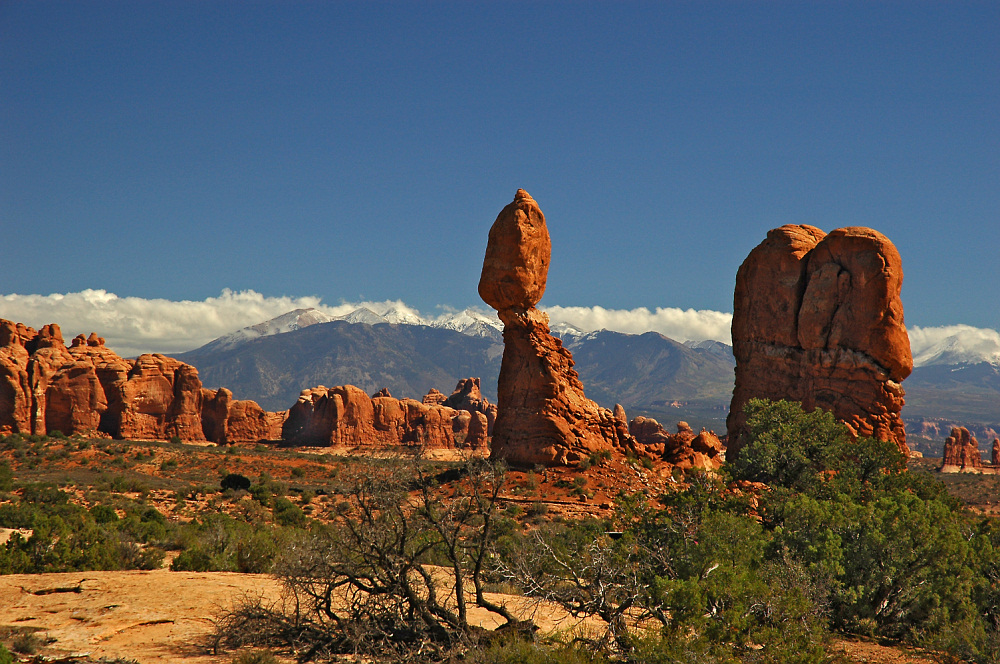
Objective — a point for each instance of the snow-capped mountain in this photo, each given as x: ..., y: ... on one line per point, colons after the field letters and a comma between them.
x: 293, y: 320
x: 470, y: 322
x: 954, y: 345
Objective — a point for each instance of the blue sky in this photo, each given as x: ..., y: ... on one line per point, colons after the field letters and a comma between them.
x: 360, y: 151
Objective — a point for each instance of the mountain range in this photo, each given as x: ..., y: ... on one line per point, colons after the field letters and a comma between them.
x: 649, y: 374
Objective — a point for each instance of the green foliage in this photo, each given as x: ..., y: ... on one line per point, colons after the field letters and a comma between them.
x: 236, y: 482
x: 6, y: 477
x: 255, y: 657
x: 5, y: 656
x: 220, y: 543
x: 519, y: 651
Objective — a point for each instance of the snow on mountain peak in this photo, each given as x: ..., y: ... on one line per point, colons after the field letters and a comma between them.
x: 954, y: 344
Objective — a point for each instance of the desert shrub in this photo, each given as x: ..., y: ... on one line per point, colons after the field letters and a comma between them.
x: 255, y: 657
x: 26, y: 643
x: 522, y: 651
x: 537, y: 508
x: 376, y: 554
x: 176, y: 440
x: 287, y: 513
x: 220, y: 543
x: 103, y: 514
x: 236, y: 482
x: 6, y: 477
x: 5, y: 656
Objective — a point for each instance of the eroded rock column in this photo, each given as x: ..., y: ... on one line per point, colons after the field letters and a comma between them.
x: 543, y: 416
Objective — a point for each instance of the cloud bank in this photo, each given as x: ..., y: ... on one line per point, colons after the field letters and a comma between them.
x: 134, y: 325
x: 954, y: 344
x: 678, y: 324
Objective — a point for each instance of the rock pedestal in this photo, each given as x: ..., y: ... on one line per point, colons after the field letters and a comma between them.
x: 543, y: 416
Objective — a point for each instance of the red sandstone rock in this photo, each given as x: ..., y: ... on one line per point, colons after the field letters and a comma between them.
x: 543, y: 416
x: 995, y: 457
x: 384, y: 392
x: 517, y: 256
x: 477, y: 437
x: 818, y: 319
x: 435, y: 397
x: 225, y: 420
x: 683, y: 449
x: 88, y: 388
x: 961, y: 452
x: 346, y: 416
x: 467, y: 396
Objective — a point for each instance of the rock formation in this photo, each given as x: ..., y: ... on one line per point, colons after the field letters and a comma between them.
x: 818, y: 319
x: 345, y: 416
x: 87, y: 388
x: 467, y: 396
x: 543, y: 415
x: 683, y: 449
x: 995, y: 457
x: 961, y: 453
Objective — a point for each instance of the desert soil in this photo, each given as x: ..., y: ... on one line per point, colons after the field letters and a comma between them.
x: 159, y: 617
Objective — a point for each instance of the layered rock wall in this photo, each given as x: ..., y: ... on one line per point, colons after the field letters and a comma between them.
x: 818, y: 319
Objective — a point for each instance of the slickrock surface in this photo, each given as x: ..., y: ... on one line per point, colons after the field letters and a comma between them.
x: 543, y: 415
x: 818, y: 319
x: 961, y: 453
x: 345, y: 416
x: 88, y: 388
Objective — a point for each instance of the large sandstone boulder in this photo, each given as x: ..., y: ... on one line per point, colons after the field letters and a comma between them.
x: 233, y: 421
x: 818, y: 319
x: 543, y: 416
x: 961, y: 452
x: 516, y: 265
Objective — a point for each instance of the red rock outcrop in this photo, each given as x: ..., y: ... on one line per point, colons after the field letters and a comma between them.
x: 543, y: 415
x: 818, y: 319
x: 234, y: 421
x: 88, y: 388
x: 468, y: 396
x: 435, y: 397
x: 345, y: 416
x: 995, y: 457
x: 683, y: 449
x: 961, y: 452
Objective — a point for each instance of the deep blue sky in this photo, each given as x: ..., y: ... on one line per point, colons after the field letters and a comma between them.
x: 362, y: 150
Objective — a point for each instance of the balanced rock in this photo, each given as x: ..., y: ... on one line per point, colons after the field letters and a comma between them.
x: 818, y: 319
x: 517, y: 256
x: 961, y: 452
x: 543, y: 416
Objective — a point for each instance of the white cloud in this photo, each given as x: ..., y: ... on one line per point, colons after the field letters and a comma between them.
x: 954, y: 344
x: 134, y: 325
x: 678, y: 324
